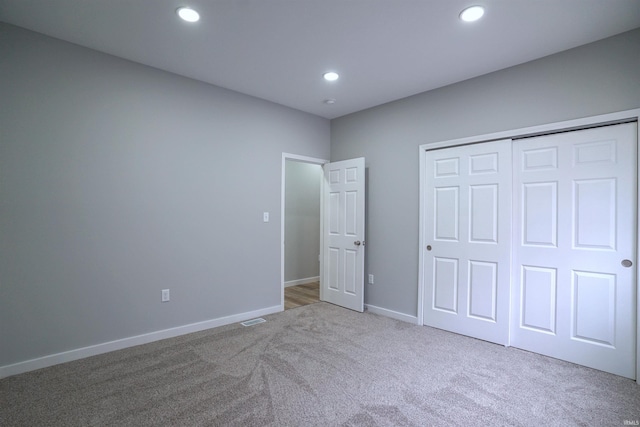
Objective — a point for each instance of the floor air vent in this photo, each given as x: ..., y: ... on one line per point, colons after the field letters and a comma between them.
x: 253, y: 322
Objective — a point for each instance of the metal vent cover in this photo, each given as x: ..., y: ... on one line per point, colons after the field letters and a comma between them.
x: 253, y: 322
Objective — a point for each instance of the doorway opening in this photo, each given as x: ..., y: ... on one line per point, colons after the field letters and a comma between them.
x: 300, y: 230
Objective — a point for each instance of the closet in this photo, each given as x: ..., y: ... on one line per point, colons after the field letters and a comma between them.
x: 531, y: 242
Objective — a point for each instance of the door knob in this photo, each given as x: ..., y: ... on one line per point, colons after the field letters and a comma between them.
x: 626, y: 263
x: 428, y: 247
x: 357, y: 243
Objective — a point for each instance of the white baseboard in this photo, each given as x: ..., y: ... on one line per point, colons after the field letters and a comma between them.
x: 301, y: 281
x: 390, y: 313
x: 81, y: 353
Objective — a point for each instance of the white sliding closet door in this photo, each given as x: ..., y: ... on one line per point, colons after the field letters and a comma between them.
x: 467, y: 238
x: 574, y: 295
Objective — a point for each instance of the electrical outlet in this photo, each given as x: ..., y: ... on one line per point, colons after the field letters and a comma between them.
x: 371, y: 279
x: 165, y: 295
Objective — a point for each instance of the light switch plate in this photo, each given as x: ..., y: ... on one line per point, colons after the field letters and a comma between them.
x: 265, y: 216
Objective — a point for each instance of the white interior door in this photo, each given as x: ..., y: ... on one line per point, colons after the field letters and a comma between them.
x: 342, y: 269
x: 468, y: 237
x: 574, y: 295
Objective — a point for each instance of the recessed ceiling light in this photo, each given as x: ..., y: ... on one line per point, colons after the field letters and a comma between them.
x: 188, y: 14
x: 472, y: 13
x: 329, y: 101
x: 331, y: 76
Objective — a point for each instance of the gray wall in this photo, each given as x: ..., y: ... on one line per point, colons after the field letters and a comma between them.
x: 118, y: 180
x: 598, y: 78
x: 302, y: 220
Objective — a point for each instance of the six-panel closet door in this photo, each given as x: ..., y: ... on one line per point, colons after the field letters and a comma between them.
x: 468, y: 237
x: 573, y: 293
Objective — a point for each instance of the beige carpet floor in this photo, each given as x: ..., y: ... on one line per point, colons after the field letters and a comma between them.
x: 319, y: 365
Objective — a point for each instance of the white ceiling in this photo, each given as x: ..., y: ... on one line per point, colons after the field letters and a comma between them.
x: 278, y: 49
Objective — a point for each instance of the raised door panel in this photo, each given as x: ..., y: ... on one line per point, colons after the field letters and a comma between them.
x: 594, y: 214
x: 538, y: 304
x: 593, y: 308
x: 483, y: 213
x: 540, y: 214
x: 445, y: 284
x: 447, y: 213
x: 483, y: 290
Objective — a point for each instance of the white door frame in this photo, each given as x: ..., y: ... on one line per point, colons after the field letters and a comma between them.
x: 302, y: 159
x: 582, y: 123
